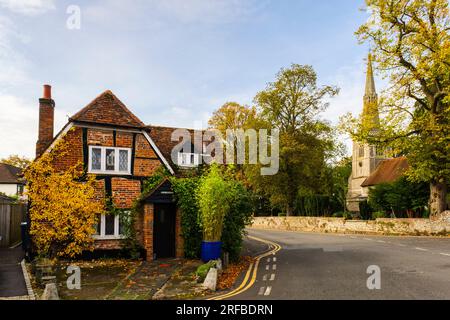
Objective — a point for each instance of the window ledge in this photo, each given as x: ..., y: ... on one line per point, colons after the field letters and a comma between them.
x: 97, y: 237
x: 112, y: 173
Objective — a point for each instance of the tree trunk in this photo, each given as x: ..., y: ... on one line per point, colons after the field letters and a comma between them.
x: 289, y: 211
x: 438, y: 201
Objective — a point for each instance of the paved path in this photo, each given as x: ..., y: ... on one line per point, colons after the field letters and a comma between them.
x: 331, y: 266
x: 12, y: 283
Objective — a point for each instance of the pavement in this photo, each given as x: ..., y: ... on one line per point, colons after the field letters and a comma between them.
x: 332, y: 266
x: 12, y: 282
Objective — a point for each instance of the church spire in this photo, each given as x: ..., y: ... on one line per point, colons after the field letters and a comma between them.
x: 370, y: 116
x: 370, y: 82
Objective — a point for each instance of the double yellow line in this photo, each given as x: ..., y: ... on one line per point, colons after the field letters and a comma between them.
x: 250, y: 277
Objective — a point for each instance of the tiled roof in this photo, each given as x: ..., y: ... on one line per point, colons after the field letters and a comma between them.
x: 108, y: 109
x: 387, y: 171
x: 9, y: 174
x: 162, y: 136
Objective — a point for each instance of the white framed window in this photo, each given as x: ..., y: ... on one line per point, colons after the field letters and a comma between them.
x: 186, y: 159
x: 109, y: 226
x: 109, y: 160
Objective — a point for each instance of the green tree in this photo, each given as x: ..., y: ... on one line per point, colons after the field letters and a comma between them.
x: 292, y: 105
x: 340, y: 174
x: 399, y: 197
x: 411, y: 44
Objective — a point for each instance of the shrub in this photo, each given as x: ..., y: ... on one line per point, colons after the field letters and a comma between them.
x: 239, y: 216
x: 401, y: 197
x: 185, y: 190
x: 214, y: 200
x: 63, y: 210
x: 202, y: 270
x: 378, y: 214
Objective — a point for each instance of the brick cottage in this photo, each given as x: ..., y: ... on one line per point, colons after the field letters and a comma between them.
x: 122, y: 152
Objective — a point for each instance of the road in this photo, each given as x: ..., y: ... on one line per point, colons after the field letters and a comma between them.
x: 12, y: 283
x: 332, y: 266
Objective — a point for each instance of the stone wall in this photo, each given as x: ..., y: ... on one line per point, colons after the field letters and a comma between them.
x: 416, y: 227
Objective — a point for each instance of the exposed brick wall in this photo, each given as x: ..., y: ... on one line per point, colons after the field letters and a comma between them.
x: 143, y: 148
x: 46, y: 122
x: 97, y: 137
x: 125, y: 191
x: 148, y: 230
x: 100, y: 191
x: 145, y: 167
x: 74, y: 138
x: 107, y: 244
x: 124, y: 139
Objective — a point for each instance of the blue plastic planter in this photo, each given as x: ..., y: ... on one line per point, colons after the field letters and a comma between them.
x: 211, y: 250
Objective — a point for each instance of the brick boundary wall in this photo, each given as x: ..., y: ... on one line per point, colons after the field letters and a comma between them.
x: 415, y: 227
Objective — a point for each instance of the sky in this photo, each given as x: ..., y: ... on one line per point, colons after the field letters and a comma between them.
x: 172, y: 62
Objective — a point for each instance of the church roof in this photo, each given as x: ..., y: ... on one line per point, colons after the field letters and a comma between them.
x: 107, y: 109
x: 387, y: 171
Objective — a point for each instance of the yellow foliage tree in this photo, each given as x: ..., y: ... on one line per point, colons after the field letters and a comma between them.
x: 63, y: 211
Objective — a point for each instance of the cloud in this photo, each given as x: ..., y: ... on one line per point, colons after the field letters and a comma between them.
x: 28, y: 7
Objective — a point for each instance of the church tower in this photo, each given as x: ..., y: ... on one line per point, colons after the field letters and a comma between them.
x: 365, y: 157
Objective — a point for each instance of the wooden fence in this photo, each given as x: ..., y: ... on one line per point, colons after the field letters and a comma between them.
x: 11, y: 216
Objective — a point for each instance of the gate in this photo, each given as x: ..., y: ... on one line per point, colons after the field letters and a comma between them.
x: 11, y: 216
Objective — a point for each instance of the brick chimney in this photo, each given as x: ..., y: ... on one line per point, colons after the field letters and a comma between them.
x: 46, y: 120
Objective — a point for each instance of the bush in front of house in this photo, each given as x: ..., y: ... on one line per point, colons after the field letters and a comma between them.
x: 239, y: 212
x: 185, y: 189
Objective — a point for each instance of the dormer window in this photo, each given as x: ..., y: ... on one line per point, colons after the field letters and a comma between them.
x: 109, y: 160
x: 186, y: 159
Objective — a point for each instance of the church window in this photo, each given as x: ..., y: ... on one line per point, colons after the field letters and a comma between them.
x: 361, y: 151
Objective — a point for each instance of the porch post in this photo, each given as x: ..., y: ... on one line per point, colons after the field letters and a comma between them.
x: 148, y: 230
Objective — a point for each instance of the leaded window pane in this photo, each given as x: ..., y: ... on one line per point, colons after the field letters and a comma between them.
x: 96, y: 159
x: 110, y: 159
x: 123, y: 160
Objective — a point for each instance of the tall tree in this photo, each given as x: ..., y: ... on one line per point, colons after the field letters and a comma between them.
x: 232, y: 115
x: 411, y: 44
x: 292, y: 104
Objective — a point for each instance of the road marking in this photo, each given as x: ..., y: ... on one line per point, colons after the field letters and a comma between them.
x: 261, y: 291
x: 265, y: 277
x: 274, y: 259
x: 352, y: 237
x: 268, y: 290
x: 381, y: 241
x: 274, y: 267
x: 401, y: 245
x: 253, y: 270
x: 267, y: 267
x: 367, y: 239
x: 421, y: 249
x: 445, y: 254
x: 272, y: 277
